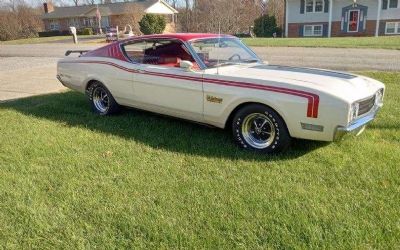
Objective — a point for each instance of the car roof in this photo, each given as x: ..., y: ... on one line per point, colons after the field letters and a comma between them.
x: 181, y: 36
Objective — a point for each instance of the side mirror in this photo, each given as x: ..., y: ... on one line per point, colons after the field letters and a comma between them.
x: 186, y: 65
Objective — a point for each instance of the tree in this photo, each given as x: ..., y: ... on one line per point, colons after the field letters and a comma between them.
x: 19, y: 20
x: 152, y: 24
x: 265, y: 26
x: 76, y: 2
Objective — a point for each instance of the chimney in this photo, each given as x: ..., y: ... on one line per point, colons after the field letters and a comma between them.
x: 48, y: 7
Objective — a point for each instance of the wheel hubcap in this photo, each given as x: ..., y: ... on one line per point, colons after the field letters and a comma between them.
x: 101, y: 100
x: 258, y: 130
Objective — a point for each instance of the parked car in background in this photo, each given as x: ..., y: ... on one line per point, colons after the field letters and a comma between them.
x: 217, y: 80
x: 111, y: 35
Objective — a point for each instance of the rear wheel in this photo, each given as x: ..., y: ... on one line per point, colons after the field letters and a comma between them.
x: 260, y: 128
x: 102, y: 102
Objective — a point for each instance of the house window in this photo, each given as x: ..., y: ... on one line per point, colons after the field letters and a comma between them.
x: 313, y: 30
x: 87, y: 22
x: 54, y: 25
x: 319, y: 5
x: 393, y: 4
x: 392, y: 28
x: 314, y: 6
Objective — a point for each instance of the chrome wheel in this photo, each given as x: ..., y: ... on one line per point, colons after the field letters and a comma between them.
x: 101, y: 100
x: 258, y: 130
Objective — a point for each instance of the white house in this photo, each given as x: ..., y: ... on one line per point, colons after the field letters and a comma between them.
x: 326, y: 18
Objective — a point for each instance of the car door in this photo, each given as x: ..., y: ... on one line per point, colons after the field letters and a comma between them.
x: 160, y: 85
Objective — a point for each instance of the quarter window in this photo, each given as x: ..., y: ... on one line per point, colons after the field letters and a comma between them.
x: 392, y: 28
x: 314, y: 6
x: 313, y: 30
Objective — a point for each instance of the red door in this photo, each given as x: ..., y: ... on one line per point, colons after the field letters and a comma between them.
x: 353, y: 20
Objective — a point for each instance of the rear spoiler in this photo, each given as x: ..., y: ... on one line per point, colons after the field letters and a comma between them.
x: 81, y: 52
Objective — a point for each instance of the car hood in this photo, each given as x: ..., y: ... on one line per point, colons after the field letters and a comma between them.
x: 346, y: 86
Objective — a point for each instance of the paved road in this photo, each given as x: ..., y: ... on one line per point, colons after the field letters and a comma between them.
x: 27, y: 70
x: 331, y: 58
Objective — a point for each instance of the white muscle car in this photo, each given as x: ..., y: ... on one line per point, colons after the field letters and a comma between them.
x: 217, y: 80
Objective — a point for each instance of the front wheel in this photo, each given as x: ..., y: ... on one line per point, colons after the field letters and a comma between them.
x: 261, y: 129
x: 102, y: 102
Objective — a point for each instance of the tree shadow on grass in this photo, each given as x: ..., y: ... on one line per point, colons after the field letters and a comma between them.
x: 72, y: 109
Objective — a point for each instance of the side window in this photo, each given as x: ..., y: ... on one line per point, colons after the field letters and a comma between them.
x: 135, y: 51
x: 168, y: 53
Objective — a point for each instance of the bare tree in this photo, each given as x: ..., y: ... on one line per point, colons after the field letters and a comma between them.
x: 76, y: 2
x: 230, y: 16
x: 19, y: 20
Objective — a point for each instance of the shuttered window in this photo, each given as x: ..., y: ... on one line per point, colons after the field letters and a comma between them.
x: 392, y: 28
x: 313, y: 30
x: 390, y: 4
x: 310, y: 6
x: 393, y: 4
x: 314, y: 6
x: 319, y: 5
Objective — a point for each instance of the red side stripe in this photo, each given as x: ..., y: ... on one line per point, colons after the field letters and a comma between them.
x: 313, y: 99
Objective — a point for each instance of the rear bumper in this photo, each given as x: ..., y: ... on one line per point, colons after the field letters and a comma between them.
x: 357, y: 127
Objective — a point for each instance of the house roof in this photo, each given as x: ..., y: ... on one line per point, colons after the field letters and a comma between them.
x: 104, y: 9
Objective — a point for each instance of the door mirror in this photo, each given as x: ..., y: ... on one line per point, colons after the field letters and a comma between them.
x: 186, y: 65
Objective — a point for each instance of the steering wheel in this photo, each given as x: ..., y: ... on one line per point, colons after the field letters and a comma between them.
x: 233, y: 56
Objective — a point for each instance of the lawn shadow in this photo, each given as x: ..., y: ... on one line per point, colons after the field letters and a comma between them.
x: 73, y: 110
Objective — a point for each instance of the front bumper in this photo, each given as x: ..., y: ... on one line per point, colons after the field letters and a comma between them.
x: 356, y: 127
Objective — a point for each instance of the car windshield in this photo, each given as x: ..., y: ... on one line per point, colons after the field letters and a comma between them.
x: 216, y: 52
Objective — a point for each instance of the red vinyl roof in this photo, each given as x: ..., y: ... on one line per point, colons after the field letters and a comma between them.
x: 183, y: 36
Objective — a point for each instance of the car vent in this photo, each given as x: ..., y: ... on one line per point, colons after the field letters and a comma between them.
x: 366, y: 105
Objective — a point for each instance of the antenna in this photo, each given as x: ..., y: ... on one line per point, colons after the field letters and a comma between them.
x: 219, y: 41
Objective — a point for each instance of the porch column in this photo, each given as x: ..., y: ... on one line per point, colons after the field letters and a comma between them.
x: 378, y: 18
x: 330, y: 18
x: 286, y: 18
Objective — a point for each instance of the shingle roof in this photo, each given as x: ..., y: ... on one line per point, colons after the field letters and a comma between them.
x: 105, y: 9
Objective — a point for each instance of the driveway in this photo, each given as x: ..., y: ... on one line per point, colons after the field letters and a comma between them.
x: 27, y: 70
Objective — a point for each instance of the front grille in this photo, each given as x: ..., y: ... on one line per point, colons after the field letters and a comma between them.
x: 366, y: 105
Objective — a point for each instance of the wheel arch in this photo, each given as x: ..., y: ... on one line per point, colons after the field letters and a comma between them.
x: 228, y: 121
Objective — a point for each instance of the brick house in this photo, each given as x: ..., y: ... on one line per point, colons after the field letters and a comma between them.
x: 326, y: 18
x: 61, y: 18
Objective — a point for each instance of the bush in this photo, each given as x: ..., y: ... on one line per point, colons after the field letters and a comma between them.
x: 152, y: 24
x: 85, y: 31
x: 22, y: 22
x: 242, y: 35
x: 265, y: 26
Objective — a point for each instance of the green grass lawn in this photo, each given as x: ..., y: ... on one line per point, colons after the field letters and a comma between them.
x: 36, y: 40
x: 71, y: 179
x: 384, y: 42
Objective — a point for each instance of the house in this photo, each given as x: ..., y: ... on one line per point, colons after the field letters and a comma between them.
x: 112, y: 14
x: 326, y: 18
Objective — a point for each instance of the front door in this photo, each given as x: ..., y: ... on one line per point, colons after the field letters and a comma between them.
x: 354, y: 18
x: 160, y: 85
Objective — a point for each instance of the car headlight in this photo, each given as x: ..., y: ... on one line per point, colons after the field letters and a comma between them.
x: 379, y: 97
x: 354, y: 111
